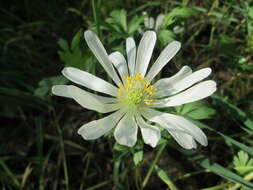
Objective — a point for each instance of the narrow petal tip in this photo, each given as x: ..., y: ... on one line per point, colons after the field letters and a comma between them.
x: 88, y: 33
x: 66, y: 70
x: 150, y: 32
x: 176, y: 44
x: 53, y: 89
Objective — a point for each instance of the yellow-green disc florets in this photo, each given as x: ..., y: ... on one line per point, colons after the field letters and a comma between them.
x: 136, y: 91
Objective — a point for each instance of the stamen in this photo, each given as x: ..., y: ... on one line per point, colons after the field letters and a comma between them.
x: 136, y: 91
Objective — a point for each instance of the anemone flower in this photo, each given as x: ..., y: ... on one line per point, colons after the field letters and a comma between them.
x: 133, y: 98
x: 151, y: 24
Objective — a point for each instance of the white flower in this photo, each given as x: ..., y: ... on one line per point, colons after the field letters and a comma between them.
x: 152, y: 24
x: 134, y: 98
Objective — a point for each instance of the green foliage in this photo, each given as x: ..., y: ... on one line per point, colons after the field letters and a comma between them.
x: 164, y: 177
x: 119, y: 25
x: 196, y: 110
x: 166, y: 36
x: 176, y: 14
x: 236, y: 112
x: 74, y: 55
x: 243, y: 163
x: 217, y: 168
x: 118, y: 18
x: 40, y: 148
x: 138, y: 157
x: 46, y: 84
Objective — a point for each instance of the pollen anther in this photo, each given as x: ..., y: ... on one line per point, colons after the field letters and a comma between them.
x: 136, y: 91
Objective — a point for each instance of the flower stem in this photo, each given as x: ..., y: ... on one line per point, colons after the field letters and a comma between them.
x: 145, y: 181
x: 95, y: 16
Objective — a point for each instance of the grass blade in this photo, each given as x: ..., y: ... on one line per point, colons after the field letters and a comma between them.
x: 216, y: 168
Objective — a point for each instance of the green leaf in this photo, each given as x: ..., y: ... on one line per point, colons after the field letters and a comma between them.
x: 202, y: 113
x: 46, y: 84
x: 196, y: 110
x: 243, y: 147
x: 216, y: 168
x: 164, y: 177
x: 63, y: 44
x: 250, y: 13
x: 75, y: 57
x: 243, y: 163
x: 236, y: 112
x: 76, y: 40
x: 120, y: 148
x: 178, y: 13
x: 14, y: 179
x: 120, y: 17
x: 166, y: 36
x: 182, y: 12
x: 134, y: 24
x: 137, y: 157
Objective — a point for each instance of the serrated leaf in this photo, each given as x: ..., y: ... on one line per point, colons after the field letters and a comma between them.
x: 74, y: 57
x: 243, y: 163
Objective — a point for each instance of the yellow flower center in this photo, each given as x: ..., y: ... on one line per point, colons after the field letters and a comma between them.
x: 136, y: 91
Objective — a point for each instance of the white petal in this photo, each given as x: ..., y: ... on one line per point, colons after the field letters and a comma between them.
x: 144, y: 52
x: 180, y: 85
x: 160, y: 118
x: 188, y: 127
x: 184, y: 140
x: 195, y: 93
x: 167, y: 54
x: 146, y: 22
x: 119, y: 62
x: 99, y: 51
x: 106, y: 100
x: 176, y: 126
x: 151, y: 23
x: 150, y: 134
x: 140, y: 31
x: 163, y: 83
x: 90, y: 101
x: 97, y: 128
x: 88, y: 80
x: 126, y: 131
x: 61, y: 90
x: 159, y: 22
x: 131, y: 54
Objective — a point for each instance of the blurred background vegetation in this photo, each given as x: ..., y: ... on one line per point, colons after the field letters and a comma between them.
x: 40, y: 148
